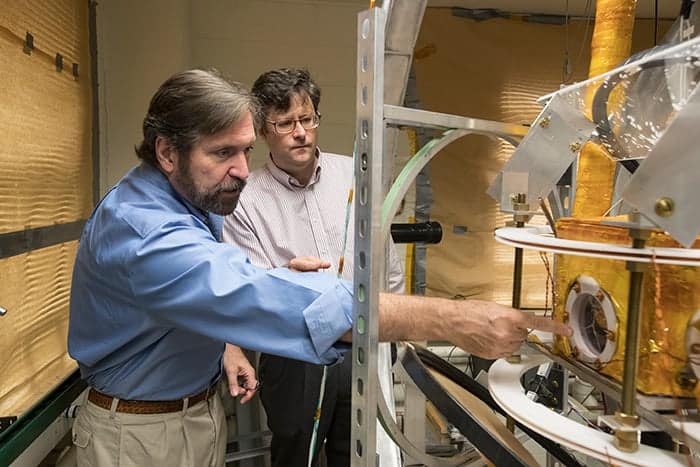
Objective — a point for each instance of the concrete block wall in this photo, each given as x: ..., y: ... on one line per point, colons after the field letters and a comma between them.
x: 142, y: 43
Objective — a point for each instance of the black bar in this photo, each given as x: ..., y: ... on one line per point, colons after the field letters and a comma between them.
x: 686, y: 8
x: 467, y: 423
x: 424, y: 232
x: 92, y: 5
x: 431, y: 360
x: 16, y: 243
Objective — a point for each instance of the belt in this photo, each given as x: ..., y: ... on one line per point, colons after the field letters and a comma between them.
x: 148, y: 407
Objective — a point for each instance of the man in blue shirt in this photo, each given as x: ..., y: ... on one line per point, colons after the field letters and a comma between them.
x: 156, y: 295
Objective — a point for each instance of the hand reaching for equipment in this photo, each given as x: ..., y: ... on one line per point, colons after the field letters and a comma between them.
x: 499, y: 331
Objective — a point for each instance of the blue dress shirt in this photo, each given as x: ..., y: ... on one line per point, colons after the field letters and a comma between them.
x: 155, y: 294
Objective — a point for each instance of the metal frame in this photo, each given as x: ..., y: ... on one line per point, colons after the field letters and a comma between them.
x: 404, y: 116
x: 369, y: 248
x: 372, y: 116
x: 371, y: 234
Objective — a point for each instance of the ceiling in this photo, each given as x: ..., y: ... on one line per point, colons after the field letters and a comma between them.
x: 645, y: 8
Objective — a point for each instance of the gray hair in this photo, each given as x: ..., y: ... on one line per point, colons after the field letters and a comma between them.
x: 192, y: 104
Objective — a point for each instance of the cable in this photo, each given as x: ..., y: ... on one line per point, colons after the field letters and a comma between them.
x: 566, y: 69
x: 656, y: 20
x: 449, y: 355
x: 588, y: 15
x: 341, y: 263
x: 317, y: 416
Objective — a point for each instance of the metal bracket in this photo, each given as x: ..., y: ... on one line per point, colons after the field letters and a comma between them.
x: 75, y: 70
x: 28, y: 43
x: 544, y: 155
x: 59, y: 62
x: 667, y: 174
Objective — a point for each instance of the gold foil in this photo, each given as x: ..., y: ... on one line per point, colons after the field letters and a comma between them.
x: 594, y: 182
x: 612, y: 38
x: 610, y: 46
x: 670, y: 296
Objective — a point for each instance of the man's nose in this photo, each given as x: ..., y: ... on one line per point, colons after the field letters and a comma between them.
x: 239, y: 167
x: 299, y: 130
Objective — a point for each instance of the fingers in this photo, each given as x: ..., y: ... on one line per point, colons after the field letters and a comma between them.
x: 234, y: 388
x: 250, y: 391
x: 547, y: 324
x: 246, y: 386
x: 307, y: 263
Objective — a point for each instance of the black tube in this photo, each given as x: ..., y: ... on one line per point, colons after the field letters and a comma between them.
x: 686, y: 8
x: 424, y: 232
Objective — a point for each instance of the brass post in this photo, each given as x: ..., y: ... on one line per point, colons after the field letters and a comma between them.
x: 627, y: 436
x: 519, y: 204
x: 519, y: 201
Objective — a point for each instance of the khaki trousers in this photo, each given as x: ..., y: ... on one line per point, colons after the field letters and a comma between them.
x: 195, y: 437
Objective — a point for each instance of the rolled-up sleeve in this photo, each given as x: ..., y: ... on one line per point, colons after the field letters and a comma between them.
x: 327, y: 321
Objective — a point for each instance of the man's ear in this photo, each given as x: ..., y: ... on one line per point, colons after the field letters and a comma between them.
x: 166, y: 155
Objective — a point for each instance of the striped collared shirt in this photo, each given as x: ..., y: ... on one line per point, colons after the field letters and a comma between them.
x: 278, y: 219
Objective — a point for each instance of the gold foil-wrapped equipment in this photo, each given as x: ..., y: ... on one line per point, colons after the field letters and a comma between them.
x: 670, y: 298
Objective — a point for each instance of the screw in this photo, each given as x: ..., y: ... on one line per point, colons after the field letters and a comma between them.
x: 575, y: 146
x: 544, y: 123
x: 664, y: 207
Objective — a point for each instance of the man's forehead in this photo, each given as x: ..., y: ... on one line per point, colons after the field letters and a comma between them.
x: 242, y: 131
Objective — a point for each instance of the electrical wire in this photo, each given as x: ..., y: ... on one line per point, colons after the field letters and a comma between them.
x: 449, y: 355
x: 589, y: 16
x: 341, y: 264
x: 317, y: 417
x: 656, y: 21
x: 566, y: 69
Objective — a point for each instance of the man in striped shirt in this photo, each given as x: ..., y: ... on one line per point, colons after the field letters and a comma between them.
x: 296, y: 206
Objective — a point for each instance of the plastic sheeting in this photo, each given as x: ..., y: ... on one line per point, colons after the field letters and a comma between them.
x: 487, y: 70
x: 45, y: 179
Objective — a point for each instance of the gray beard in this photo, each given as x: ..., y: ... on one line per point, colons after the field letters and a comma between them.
x: 210, y: 201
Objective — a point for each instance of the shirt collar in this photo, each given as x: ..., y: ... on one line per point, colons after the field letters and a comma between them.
x: 158, y: 178
x: 289, y: 181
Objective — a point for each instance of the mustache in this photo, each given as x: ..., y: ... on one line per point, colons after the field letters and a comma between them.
x: 236, y: 184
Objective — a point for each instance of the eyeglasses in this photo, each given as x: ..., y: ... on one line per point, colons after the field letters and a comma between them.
x: 284, y: 127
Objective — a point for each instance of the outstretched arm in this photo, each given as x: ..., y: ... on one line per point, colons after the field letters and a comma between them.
x: 483, y: 328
